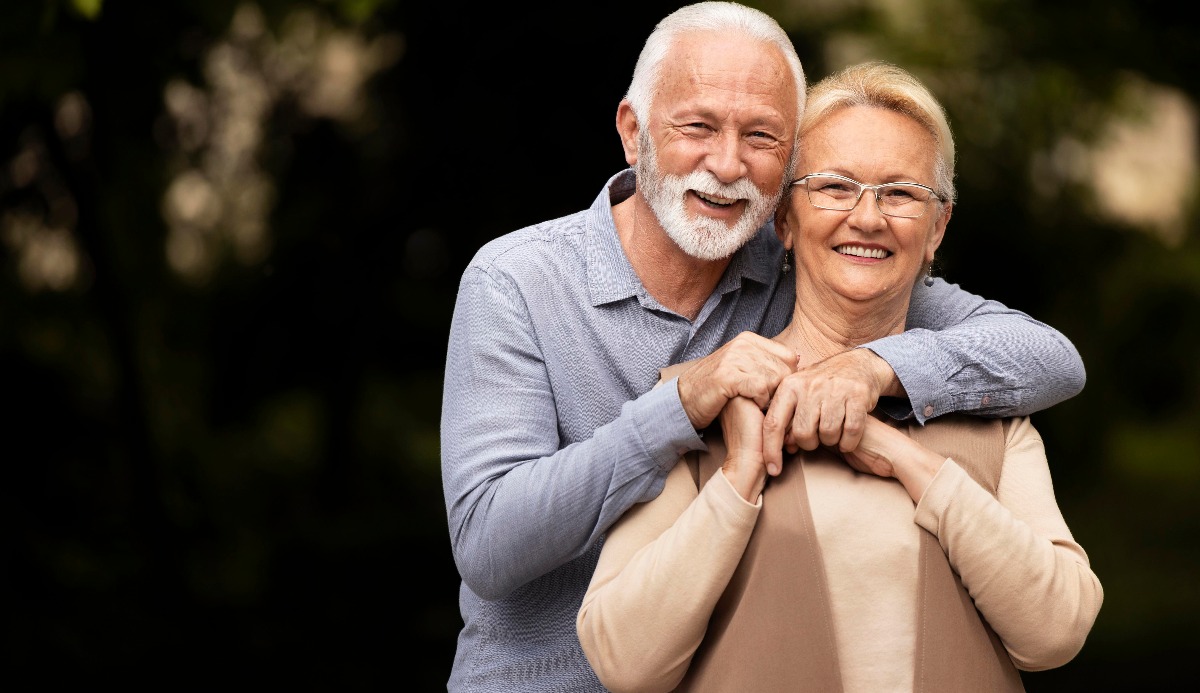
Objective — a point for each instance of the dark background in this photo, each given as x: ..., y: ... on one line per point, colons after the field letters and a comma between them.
x: 225, y: 293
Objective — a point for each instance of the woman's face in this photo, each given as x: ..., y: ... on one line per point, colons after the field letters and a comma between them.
x: 861, y: 253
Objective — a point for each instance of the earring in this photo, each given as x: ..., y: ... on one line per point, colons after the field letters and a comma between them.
x: 787, y: 261
x: 929, y: 276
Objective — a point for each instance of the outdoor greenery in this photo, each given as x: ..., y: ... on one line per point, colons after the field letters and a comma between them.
x: 230, y: 237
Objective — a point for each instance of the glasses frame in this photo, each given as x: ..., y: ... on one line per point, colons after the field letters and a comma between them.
x: 863, y: 187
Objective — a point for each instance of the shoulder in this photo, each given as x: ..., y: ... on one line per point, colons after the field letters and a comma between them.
x: 1020, y: 434
x: 1013, y: 430
x: 976, y: 443
x: 544, y: 241
x: 532, y: 256
x: 957, y: 424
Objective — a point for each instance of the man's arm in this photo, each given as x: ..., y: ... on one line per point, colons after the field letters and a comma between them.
x: 959, y: 352
x: 963, y: 353
x: 518, y: 506
x: 520, y: 501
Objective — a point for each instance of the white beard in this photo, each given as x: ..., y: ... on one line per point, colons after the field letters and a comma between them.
x: 701, y: 237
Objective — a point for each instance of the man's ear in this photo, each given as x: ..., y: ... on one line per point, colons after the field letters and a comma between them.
x: 627, y: 128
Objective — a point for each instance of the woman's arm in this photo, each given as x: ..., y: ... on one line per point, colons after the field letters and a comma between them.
x: 666, y: 562
x: 1017, y: 558
x: 1013, y: 551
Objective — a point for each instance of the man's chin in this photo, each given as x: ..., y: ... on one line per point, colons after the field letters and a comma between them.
x: 725, y: 245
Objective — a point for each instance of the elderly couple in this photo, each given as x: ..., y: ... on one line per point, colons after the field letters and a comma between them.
x: 686, y: 448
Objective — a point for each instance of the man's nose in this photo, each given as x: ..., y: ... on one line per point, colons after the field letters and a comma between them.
x: 725, y: 158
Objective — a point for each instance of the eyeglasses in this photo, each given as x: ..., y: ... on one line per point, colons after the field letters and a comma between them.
x: 831, y: 191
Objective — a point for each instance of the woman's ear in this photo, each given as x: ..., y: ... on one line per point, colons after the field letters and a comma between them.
x: 938, y: 232
x: 784, y: 223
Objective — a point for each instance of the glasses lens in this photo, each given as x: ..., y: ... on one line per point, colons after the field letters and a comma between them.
x: 903, y: 200
x: 895, y: 199
x: 828, y: 192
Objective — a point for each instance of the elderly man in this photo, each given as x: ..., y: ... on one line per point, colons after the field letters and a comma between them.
x: 552, y: 425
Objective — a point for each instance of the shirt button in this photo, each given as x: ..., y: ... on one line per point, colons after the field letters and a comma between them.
x: 928, y: 410
x: 987, y: 399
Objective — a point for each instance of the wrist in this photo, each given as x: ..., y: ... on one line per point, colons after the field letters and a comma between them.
x: 881, y: 371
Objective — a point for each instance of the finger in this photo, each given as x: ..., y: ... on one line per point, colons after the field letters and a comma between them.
x: 759, y: 388
x: 852, y: 431
x: 773, y: 347
x: 763, y: 382
x: 705, y: 387
x: 756, y: 347
x: 776, y: 425
x: 829, y: 427
x: 804, y: 427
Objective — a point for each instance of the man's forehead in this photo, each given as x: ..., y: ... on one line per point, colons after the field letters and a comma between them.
x: 717, y: 67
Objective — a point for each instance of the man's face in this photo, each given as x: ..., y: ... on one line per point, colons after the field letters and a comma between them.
x: 714, y: 157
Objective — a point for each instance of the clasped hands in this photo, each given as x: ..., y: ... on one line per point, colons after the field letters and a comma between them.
x: 767, y: 405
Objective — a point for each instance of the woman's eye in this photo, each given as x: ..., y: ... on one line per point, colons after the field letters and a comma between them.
x: 898, y: 194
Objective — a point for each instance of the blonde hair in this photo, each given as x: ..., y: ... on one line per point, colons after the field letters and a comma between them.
x: 883, y: 85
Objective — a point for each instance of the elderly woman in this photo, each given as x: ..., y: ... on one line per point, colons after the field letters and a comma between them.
x: 931, y: 558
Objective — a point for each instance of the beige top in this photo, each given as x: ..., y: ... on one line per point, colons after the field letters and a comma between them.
x: 666, y: 562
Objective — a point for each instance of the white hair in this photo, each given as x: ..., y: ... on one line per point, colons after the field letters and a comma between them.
x: 706, y: 16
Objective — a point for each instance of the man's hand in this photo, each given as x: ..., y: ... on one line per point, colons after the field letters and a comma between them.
x: 826, y: 403
x: 749, y: 366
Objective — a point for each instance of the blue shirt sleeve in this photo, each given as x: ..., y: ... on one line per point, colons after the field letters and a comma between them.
x: 963, y: 353
x: 518, y: 504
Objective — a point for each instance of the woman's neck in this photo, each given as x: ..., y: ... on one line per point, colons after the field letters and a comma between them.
x: 825, y: 323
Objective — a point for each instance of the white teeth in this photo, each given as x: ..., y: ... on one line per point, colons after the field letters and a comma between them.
x: 723, y: 201
x: 859, y: 251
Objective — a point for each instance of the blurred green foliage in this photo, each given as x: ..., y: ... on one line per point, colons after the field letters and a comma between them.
x: 230, y: 237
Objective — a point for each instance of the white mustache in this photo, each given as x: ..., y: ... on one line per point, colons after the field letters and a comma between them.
x: 705, y: 182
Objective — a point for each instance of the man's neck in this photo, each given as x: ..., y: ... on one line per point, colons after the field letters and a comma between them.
x: 675, y: 279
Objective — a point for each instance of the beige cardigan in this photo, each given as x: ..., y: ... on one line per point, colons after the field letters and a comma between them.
x: 667, y: 564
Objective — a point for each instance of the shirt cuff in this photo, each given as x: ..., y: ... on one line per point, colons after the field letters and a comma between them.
x: 926, y: 395
x: 664, y: 426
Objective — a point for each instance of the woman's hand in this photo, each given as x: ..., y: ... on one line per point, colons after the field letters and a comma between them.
x: 888, y: 452
x: 744, y: 467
